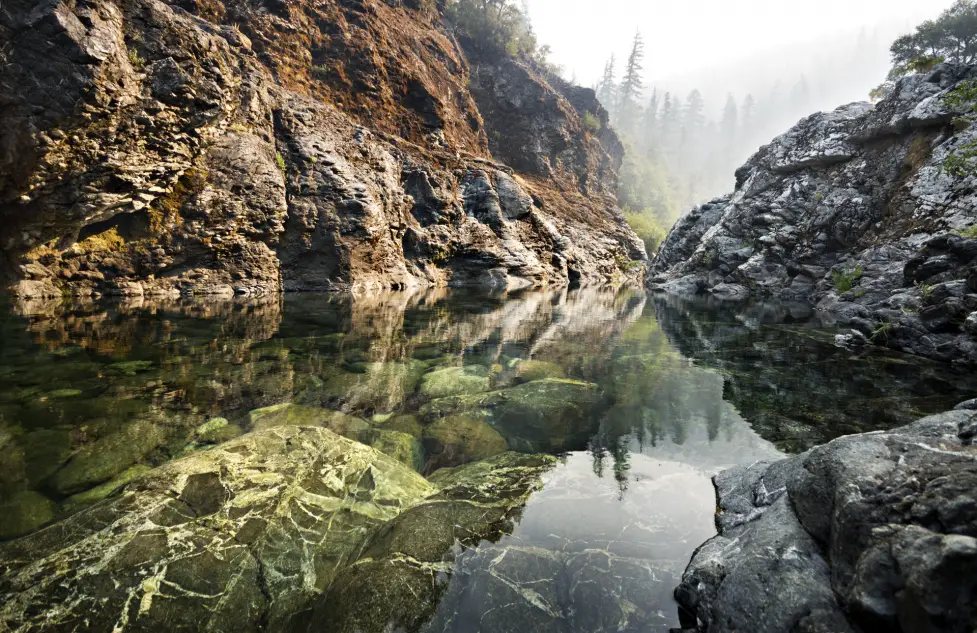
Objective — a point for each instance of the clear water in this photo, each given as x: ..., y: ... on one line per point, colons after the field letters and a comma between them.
x: 660, y: 394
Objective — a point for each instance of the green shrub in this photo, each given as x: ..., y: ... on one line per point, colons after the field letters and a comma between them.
x: 591, y: 123
x: 845, y: 280
x: 136, y: 60
x: 969, y: 232
x: 280, y: 161
x: 646, y: 226
x: 492, y: 26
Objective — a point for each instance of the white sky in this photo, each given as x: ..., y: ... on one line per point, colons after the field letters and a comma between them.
x: 689, y: 36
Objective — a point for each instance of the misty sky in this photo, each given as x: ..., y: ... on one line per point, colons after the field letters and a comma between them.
x: 690, y: 36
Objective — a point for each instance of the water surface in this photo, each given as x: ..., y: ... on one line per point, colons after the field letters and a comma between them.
x: 641, y: 399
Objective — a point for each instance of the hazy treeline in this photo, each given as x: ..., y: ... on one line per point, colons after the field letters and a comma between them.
x: 683, y: 146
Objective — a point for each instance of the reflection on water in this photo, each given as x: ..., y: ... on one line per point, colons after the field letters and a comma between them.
x: 641, y: 398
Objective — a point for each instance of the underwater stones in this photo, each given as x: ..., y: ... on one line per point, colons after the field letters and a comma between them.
x: 241, y: 537
x: 403, y: 423
x: 522, y: 588
x: 401, y: 446
x: 540, y: 416
x: 399, y: 579
x: 103, y: 459
x: 459, y: 439
x: 216, y: 431
x: 104, y: 490
x: 501, y: 478
x: 379, y: 386
x: 455, y: 381
x: 298, y: 415
x: 24, y: 512
x: 531, y: 370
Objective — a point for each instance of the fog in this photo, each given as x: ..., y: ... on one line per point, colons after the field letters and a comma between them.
x: 776, y: 60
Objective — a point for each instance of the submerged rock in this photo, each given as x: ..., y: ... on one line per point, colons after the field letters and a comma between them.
x: 399, y: 580
x: 531, y: 370
x: 238, y: 538
x: 24, y: 512
x: 868, y: 532
x: 105, y: 458
x: 379, y: 386
x: 455, y: 381
x: 542, y: 416
x: 405, y: 448
x: 459, y: 439
x: 298, y: 415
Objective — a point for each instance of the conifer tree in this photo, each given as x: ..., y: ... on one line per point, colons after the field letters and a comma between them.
x: 632, y: 85
x: 606, y: 88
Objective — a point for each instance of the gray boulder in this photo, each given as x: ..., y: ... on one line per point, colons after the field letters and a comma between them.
x: 869, y: 532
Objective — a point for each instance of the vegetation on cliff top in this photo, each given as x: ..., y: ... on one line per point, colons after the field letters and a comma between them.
x: 951, y: 37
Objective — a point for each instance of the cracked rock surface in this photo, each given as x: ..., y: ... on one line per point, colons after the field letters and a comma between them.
x: 250, y: 536
x: 872, y: 532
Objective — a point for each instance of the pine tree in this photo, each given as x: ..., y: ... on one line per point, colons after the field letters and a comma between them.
x: 748, y: 116
x: 666, y: 120
x: 800, y: 95
x: 729, y: 121
x: 695, y: 119
x: 632, y: 85
x: 651, y: 120
x: 606, y: 88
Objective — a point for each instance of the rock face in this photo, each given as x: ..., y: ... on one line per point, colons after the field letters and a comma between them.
x: 864, y: 211
x: 874, y: 532
x: 239, y: 146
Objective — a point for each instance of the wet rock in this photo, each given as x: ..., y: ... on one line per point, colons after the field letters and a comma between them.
x: 541, y: 416
x: 107, y: 457
x: 400, y: 577
x: 24, y: 512
x: 456, y: 381
x: 379, y: 386
x: 459, y: 439
x: 241, y: 537
x: 298, y: 415
x: 531, y: 370
x: 967, y: 405
x: 403, y: 447
x: 868, y: 532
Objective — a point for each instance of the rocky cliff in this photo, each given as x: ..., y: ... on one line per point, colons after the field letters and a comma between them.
x: 254, y: 146
x: 867, y: 212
